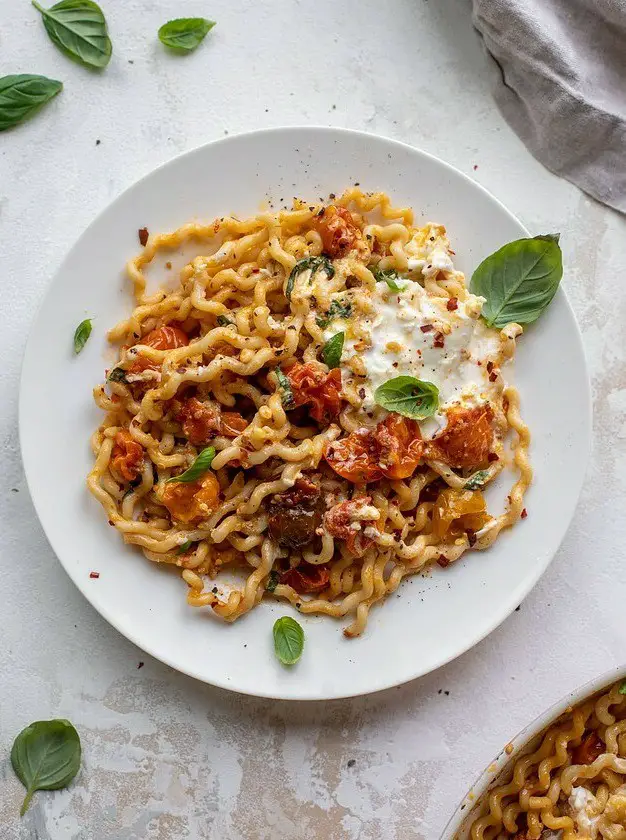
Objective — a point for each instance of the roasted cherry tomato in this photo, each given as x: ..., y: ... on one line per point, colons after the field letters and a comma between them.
x: 191, y: 501
x: 457, y: 511
x: 127, y: 456
x: 347, y: 521
x: 588, y: 750
x: 467, y: 439
x: 201, y: 421
x: 312, y: 385
x: 168, y: 337
x: 306, y: 578
x: 339, y: 232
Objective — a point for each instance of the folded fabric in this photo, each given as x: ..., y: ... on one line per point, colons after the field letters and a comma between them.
x: 560, y: 82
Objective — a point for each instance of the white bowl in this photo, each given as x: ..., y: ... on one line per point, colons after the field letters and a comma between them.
x: 431, y: 619
x: 473, y: 804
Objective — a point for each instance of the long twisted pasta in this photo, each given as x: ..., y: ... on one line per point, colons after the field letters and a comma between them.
x: 206, y: 364
x: 573, y: 785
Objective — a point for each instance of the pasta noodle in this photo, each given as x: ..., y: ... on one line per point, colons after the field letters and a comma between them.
x: 571, y: 785
x: 316, y: 492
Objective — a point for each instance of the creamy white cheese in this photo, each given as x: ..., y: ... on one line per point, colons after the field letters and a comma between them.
x: 579, y: 799
x: 412, y: 333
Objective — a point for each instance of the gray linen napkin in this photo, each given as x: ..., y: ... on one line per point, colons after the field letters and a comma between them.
x: 560, y: 70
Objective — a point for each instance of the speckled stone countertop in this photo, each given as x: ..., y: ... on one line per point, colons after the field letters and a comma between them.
x: 167, y: 758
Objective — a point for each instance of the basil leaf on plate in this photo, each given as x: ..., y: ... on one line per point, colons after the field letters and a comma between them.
x: 288, y: 640
x: 285, y: 389
x: 185, y: 34
x: 475, y: 481
x: 45, y: 756
x: 411, y: 397
x: 337, y: 309
x: 519, y: 280
x: 388, y: 275
x: 22, y: 95
x: 314, y: 264
x: 79, y: 29
x: 332, y: 350
x: 199, y: 467
x: 82, y: 333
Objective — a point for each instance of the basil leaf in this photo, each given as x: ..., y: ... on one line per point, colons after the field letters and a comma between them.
x: 337, y: 309
x: 519, y: 280
x: 476, y: 480
x: 185, y: 34
x: 82, y: 333
x: 79, y: 29
x: 118, y: 374
x: 273, y: 580
x: 285, y: 387
x: 288, y: 640
x: 45, y: 756
x: 22, y: 95
x: 315, y: 264
x: 199, y: 467
x: 184, y: 548
x: 332, y: 350
x: 622, y: 688
x: 388, y: 275
x: 408, y: 396
x: 223, y: 321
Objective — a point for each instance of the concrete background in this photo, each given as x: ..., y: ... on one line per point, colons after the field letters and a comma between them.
x: 166, y: 758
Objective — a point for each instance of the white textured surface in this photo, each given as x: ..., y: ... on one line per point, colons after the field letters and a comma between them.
x: 166, y: 757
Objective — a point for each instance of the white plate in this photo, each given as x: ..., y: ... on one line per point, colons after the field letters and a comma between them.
x: 432, y: 619
x: 472, y: 804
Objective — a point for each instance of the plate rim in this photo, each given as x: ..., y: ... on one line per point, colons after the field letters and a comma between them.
x: 499, y: 617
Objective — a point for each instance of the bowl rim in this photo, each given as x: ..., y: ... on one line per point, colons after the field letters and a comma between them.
x: 468, y: 808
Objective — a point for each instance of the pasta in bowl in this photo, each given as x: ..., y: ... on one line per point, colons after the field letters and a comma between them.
x: 562, y: 778
x: 319, y: 405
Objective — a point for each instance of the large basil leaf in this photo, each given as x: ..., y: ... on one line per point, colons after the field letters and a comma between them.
x: 45, y: 756
x: 408, y: 396
x: 185, y: 34
x: 22, y: 95
x: 519, y: 280
x: 199, y: 467
x: 288, y: 640
x: 79, y: 29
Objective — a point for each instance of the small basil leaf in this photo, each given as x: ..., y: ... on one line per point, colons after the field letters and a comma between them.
x: 285, y: 388
x: 315, y: 264
x: 332, y: 350
x: 519, y: 280
x: 622, y: 688
x: 476, y: 480
x: 22, y: 95
x: 79, y: 29
x: 199, y: 467
x: 118, y: 374
x: 408, y: 396
x: 45, y: 756
x: 184, y: 548
x: 288, y: 640
x: 185, y: 33
x: 273, y: 580
x: 389, y: 276
x: 337, y: 309
x: 223, y: 321
x: 82, y: 333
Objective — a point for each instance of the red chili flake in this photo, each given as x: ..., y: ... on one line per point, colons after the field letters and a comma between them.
x: 168, y: 265
x: 427, y: 328
x: 443, y: 561
x: 471, y: 537
x: 452, y: 304
x: 438, y: 342
x: 111, y: 522
x: 94, y: 575
x: 493, y: 376
x: 394, y: 364
x: 475, y: 167
x: 524, y: 513
x: 492, y: 457
x: 489, y: 367
x: 143, y: 236
x: 140, y: 665
x: 362, y: 393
